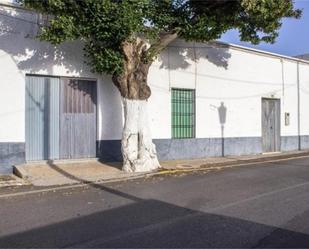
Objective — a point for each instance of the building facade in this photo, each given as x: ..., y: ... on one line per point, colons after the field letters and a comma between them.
x: 207, y: 100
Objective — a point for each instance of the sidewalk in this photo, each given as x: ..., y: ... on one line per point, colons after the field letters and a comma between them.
x: 91, y: 171
x: 11, y: 180
x: 228, y: 161
x: 64, y: 172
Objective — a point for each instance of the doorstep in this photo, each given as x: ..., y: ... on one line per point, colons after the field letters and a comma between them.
x: 55, y: 173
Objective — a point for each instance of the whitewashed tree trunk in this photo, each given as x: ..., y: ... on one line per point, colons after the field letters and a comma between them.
x: 139, y: 152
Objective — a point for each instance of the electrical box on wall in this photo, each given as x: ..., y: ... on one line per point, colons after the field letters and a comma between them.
x: 287, y: 118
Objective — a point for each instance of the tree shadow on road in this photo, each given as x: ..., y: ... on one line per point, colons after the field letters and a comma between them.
x: 148, y: 223
x: 156, y: 224
x: 93, y: 184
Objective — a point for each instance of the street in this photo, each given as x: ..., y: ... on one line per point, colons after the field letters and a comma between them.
x: 254, y: 206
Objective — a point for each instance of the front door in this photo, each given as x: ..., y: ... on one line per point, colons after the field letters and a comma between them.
x: 271, y: 125
x: 78, y: 119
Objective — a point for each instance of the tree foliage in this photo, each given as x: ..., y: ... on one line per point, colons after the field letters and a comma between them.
x: 105, y: 25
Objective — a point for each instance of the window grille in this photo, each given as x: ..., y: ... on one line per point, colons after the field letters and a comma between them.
x: 183, y: 113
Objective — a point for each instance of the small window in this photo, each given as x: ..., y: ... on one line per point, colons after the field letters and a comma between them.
x: 183, y: 113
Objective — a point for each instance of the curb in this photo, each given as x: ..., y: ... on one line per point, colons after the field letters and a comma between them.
x: 23, y: 174
x: 11, y: 181
x: 163, y: 171
x: 238, y: 163
x: 260, y: 160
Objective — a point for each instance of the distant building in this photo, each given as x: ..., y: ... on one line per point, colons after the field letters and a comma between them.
x: 207, y: 100
x: 303, y: 57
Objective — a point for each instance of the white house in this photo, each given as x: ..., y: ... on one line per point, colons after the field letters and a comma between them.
x: 207, y: 100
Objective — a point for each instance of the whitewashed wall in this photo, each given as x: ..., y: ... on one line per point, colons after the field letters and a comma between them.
x: 21, y: 54
x: 304, y: 99
x: 236, y: 77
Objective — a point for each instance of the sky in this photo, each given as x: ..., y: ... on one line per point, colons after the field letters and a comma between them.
x: 293, y: 39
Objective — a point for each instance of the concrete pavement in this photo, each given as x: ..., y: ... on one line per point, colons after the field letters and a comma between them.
x: 241, y: 207
x: 52, y: 173
x: 12, y: 180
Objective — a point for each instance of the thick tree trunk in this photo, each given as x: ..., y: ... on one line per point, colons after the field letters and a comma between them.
x: 138, y: 150
x: 139, y: 153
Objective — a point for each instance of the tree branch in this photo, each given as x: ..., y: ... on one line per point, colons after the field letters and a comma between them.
x: 164, y: 40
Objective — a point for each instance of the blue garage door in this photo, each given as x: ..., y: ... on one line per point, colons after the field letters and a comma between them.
x: 60, y: 118
x: 42, y: 118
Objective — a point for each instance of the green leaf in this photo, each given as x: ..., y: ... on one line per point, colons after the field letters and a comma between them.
x: 104, y: 25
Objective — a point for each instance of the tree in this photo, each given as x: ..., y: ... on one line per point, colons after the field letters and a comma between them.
x: 123, y: 37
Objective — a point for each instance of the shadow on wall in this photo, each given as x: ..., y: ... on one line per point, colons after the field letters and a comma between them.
x: 222, y: 111
x: 222, y: 119
x: 184, y: 55
x: 18, y: 31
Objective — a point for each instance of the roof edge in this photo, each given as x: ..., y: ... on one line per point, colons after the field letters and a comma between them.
x: 259, y: 51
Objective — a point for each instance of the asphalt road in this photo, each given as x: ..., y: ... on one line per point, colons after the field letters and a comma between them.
x: 254, y: 206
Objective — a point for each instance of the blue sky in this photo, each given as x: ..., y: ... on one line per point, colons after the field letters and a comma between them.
x: 293, y: 38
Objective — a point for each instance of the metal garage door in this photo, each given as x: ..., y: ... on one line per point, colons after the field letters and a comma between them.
x: 78, y: 119
x: 42, y: 118
x: 60, y: 118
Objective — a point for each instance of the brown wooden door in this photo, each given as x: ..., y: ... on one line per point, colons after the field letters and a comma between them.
x: 78, y: 119
x: 271, y: 125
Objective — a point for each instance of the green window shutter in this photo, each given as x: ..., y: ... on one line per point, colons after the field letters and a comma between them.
x: 183, y: 113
